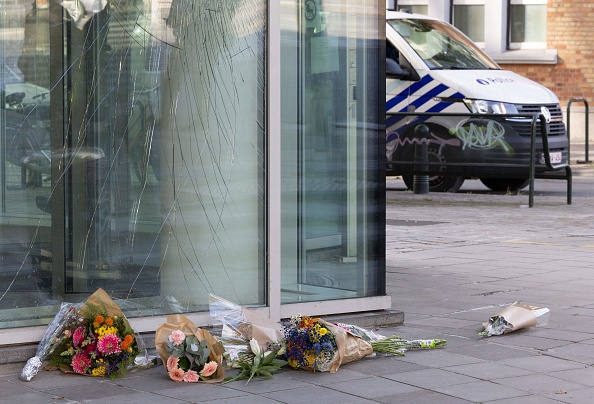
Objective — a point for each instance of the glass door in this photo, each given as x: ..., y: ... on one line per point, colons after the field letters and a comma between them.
x: 330, y: 139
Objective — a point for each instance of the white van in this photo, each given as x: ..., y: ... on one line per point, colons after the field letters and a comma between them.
x: 432, y: 67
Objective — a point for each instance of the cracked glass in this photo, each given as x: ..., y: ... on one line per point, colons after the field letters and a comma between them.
x: 132, y: 154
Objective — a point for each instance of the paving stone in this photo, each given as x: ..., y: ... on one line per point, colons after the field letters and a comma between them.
x: 540, y: 384
x: 373, y: 387
x: 315, y: 394
x: 489, y: 370
x: 482, y: 391
x: 583, y: 396
x: 491, y: 351
x: 421, y: 397
x: 542, y: 363
x: 194, y: 392
x: 431, y: 378
x: 439, y: 358
x: 583, y: 376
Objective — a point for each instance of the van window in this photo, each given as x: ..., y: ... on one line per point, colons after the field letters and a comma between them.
x: 440, y: 45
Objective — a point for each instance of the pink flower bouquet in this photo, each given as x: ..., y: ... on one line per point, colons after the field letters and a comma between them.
x: 190, y: 354
x: 95, y: 340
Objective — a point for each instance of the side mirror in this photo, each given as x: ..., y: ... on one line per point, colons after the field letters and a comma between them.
x: 393, y: 70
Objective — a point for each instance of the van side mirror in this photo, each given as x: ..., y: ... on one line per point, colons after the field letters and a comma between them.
x: 393, y: 70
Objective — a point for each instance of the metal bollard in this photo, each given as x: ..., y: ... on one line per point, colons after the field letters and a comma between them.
x: 421, y: 182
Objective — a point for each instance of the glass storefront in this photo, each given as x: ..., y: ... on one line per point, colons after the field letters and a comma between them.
x: 147, y: 177
x: 134, y: 154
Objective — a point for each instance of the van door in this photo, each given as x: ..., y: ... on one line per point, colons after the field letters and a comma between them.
x: 397, y: 100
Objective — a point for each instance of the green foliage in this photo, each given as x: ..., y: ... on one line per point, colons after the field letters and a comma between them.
x: 263, y: 365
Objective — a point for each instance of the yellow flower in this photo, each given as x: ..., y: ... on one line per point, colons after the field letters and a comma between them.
x: 309, y: 358
x: 104, y: 330
x: 100, y: 369
x: 323, y: 331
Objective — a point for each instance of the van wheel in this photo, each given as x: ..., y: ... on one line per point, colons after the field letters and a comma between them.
x: 437, y: 183
x: 505, y: 184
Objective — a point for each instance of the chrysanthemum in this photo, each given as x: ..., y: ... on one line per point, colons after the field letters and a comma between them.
x: 209, y: 369
x: 177, y: 375
x: 79, y: 336
x: 109, y: 344
x: 80, y: 363
x: 191, y: 376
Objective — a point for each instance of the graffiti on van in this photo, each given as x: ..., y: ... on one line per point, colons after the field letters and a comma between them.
x: 481, y: 134
x: 396, y: 141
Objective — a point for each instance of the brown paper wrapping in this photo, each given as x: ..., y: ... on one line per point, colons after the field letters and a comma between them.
x: 180, y: 322
x: 519, y: 316
x: 261, y: 328
x: 350, y: 348
x: 102, y: 300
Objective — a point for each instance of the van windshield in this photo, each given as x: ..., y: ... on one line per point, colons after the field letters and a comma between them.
x: 441, y: 45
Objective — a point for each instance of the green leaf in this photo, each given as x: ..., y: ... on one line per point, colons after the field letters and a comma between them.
x: 265, y: 373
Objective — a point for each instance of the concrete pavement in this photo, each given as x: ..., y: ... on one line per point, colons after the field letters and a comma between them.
x: 453, y: 260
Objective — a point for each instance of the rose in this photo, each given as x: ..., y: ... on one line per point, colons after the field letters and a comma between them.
x: 177, y: 337
x: 191, y: 376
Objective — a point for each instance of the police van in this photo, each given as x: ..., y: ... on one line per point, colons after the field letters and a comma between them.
x: 432, y: 68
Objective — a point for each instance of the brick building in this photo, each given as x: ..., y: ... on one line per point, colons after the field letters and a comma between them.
x: 569, y: 24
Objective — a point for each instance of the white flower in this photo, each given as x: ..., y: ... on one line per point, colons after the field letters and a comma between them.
x: 255, y: 347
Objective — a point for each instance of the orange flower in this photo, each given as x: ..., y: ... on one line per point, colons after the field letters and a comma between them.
x: 99, y: 319
x: 129, y: 338
x: 124, y: 345
x: 209, y: 369
x: 96, y: 324
x: 307, y: 322
x: 177, y: 375
x: 109, y: 321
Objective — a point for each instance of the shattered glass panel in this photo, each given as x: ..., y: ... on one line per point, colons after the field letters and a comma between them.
x: 132, y: 154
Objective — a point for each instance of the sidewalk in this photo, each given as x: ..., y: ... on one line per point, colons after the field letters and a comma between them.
x: 453, y: 260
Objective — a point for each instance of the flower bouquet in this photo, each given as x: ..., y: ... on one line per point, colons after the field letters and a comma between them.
x: 392, y: 345
x: 95, y: 340
x: 238, y: 327
x: 316, y: 345
x: 189, y: 354
x: 259, y: 362
x: 515, y: 317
